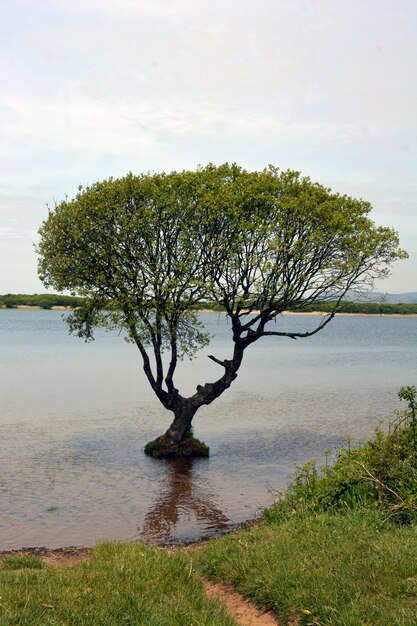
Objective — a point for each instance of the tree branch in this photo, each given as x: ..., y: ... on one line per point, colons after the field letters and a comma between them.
x: 270, y: 333
x: 222, y: 363
x: 173, y: 361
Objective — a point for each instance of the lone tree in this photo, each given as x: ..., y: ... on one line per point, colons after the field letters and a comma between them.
x: 147, y: 251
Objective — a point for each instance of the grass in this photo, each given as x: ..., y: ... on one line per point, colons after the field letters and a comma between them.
x: 344, y: 569
x: 22, y: 561
x: 120, y: 585
x: 326, y: 569
x: 46, y: 301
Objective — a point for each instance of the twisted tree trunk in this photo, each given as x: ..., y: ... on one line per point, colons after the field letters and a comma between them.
x: 182, y: 421
x: 178, y: 441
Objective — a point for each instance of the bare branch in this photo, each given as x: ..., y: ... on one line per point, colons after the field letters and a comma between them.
x: 222, y: 363
x: 310, y: 333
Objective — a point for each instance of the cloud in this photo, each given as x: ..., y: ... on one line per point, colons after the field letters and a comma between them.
x: 95, y: 88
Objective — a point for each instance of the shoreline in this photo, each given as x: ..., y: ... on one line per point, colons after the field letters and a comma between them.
x: 28, y: 307
x: 66, y: 554
x: 322, y: 313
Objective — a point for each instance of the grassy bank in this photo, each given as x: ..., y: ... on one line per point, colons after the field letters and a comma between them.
x: 120, y: 585
x: 329, y: 568
x: 339, y: 548
x: 355, y: 308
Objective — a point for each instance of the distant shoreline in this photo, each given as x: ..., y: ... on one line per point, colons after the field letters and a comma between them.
x: 285, y: 313
x: 323, y: 313
x: 36, y: 308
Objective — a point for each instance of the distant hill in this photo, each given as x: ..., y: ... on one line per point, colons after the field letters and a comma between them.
x: 386, y: 298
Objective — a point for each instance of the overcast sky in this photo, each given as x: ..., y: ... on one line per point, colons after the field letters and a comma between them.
x: 96, y: 88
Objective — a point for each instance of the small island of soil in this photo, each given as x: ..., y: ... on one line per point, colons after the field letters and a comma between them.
x: 189, y: 447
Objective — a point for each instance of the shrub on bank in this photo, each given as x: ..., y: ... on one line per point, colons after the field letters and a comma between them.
x: 380, y: 474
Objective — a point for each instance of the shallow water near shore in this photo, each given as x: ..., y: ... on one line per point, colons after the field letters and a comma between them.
x: 74, y: 418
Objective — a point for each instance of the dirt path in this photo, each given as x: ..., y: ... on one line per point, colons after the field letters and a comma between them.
x: 244, y: 612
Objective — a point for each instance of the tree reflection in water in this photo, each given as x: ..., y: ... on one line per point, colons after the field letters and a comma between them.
x: 179, y: 502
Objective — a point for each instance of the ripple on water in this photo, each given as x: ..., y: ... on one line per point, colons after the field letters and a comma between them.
x: 74, y: 420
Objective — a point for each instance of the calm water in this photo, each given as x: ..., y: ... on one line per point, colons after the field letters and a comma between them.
x: 74, y: 419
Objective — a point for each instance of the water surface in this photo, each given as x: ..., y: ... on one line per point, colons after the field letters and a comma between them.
x: 74, y: 418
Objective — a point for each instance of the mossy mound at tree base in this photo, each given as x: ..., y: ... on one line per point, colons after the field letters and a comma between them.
x: 189, y: 447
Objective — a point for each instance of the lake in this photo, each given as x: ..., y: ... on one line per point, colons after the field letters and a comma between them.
x: 74, y: 418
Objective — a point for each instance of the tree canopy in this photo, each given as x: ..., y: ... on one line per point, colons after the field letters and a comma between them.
x: 146, y: 251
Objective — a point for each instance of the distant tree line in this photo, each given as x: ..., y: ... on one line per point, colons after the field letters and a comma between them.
x: 376, y: 308
x: 44, y: 301
x: 366, y: 308
x: 47, y: 301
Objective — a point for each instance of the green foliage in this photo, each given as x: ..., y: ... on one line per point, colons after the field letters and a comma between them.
x: 120, y: 585
x: 381, y: 474
x: 129, y: 246
x: 47, y: 301
x: 153, y: 247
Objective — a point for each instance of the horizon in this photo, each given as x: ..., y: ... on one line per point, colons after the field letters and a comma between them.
x: 65, y: 293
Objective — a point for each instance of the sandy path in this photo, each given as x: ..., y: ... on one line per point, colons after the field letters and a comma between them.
x: 243, y: 611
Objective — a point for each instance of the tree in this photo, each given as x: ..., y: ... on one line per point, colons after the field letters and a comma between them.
x: 147, y: 251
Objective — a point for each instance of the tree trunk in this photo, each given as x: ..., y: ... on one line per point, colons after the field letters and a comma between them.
x: 184, y: 414
x: 176, y: 443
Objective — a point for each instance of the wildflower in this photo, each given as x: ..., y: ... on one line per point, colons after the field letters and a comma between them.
x: 306, y: 612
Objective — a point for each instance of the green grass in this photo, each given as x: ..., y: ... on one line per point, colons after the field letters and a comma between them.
x: 346, y: 569
x: 362, y: 308
x: 189, y: 447
x: 22, y: 561
x: 121, y: 585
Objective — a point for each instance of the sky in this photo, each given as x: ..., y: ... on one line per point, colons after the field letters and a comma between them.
x: 96, y: 88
